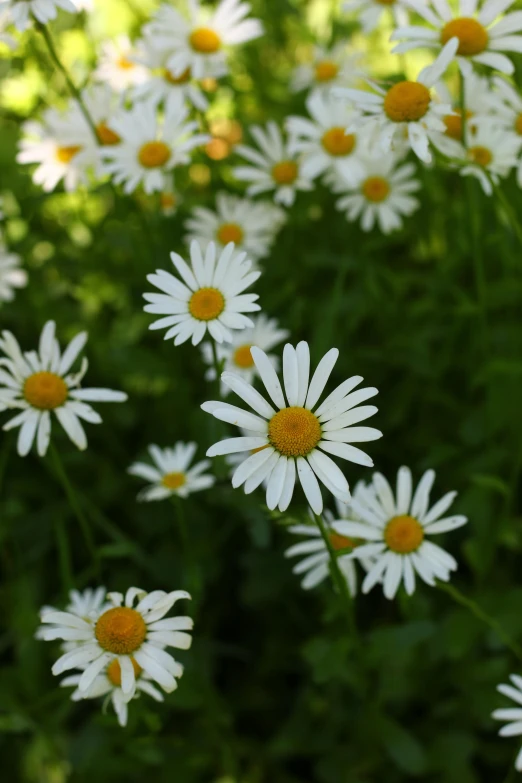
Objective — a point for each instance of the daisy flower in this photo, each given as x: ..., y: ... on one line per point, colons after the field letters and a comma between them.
x: 208, y: 298
x: 370, y: 12
x: 23, y: 11
x: 335, y: 67
x: 171, y: 473
x: 491, y: 154
x: 512, y: 715
x: 12, y: 276
x: 149, y: 148
x: 274, y: 167
x: 322, y: 142
x: 480, y: 39
x: 86, y: 605
x: 133, y: 636
x: 40, y: 382
x: 251, y: 225
x: 119, y: 64
x: 237, y: 357
x: 397, y: 528
x: 405, y: 110
x: 198, y: 42
x: 292, y: 438
x: 509, y: 108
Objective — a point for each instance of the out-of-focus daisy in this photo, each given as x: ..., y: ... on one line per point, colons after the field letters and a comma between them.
x: 127, y: 634
x: 40, y: 382
x: 335, y: 67
x: 198, y: 42
x: 23, y: 11
x: 406, y: 110
x: 370, y: 12
x: 149, y: 148
x: 509, y: 112
x: 273, y: 168
x: 103, y: 105
x: 86, y: 604
x: 170, y: 199
x: 382, y: 195
x: 322, y: 142
x: 292, y: 438
x: 397, y: 528
x: 210, y: 298
x: 251, y: 225
x: 119, y: 64
x: 171, y: 473
x: 481, y: 105
x: 12, y: 275
x: 480, y: 39
x: 491, y: 154
x: 237, y: 357
x: 512, y: 715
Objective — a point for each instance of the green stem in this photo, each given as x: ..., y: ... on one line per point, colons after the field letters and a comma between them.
x: 218, y: 365
x: 480, y: 614
x: 508, y: 208
x: 64, y: 556
x: 193, y: 578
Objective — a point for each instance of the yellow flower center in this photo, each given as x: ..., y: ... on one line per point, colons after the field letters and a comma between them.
x: 206, y: 304
x: 154, y: 154
x: 340, y: 542
x: 120, y: 630
x: 45, y: 390
x: 167, y: 200
x: 338, y: 143
x: 243, y: 357
x: 66, y: 154
x: 407, y: 101
x: 107, y: 136
x: 230, y: 232
x: 174, y: 480
x: 453, y: 123
x: 181, y: 79
x: 285, y: 173
x: 473, y: 37
x: 294, y: 432
x: 518, y: 125
x: 403, y: 534
x: 480, y: 155
x: 205, y: 40
x: 114, y: 671
x: 125, y: 64
x: 376, y: 189
x: 326, y: 71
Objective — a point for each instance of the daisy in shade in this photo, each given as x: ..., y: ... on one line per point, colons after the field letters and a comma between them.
x: 237, y: 357
x: 133, y: 636
x: 335, y: 67
x: 86, y: 605
x: 149, y: 148
x: 251, y: 225
x: 199, y: 42
x: 291, y: 438
x: 322, y: 142
x: 512, y: 715
x: 119, y: 64
x: 209, y: 296
x: 406, y: 110
x: 40, y: 383
x: 509, y: 112
x: 12, y: 276
x: 23, y: 11
x: 171, y: 473
x: 274, y: 167
x: 480, y: 38
x: 397, y: 529
x: 371, y: 12
x: 491, y: 154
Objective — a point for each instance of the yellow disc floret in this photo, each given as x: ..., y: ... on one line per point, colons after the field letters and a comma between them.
x: 376, y: 189
x: 285, y: 172
x: 183, y: 78
x: 473, y: 37
x: 107, y: 136
x: 125, y: 64
x: 205, y: 40
x: 243, y: 357
x: 206, y: 304
x: 340, y: 542
x: 45, y: 391
x: 325, y: 71
x: 66, y: 154
x: 120, y: 630
x: 404, y: 534
x: 154, y: 154
x: 407, y: 101
x: 338, y: 143
x: 114, y: 671
x: 174, y: 480
x: 230, y: 232
x: 480, y: 155
x: 294, y: 432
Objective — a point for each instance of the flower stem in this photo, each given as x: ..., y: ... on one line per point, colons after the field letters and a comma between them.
x: 508, y: 209
x: 480, y: 614
x: 64, y: 556
x: 193, y: 575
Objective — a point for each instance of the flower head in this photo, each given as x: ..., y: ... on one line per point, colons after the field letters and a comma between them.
x: 512, y: 715
x: 491, y: 154
x: 119, y: 64
x: 171, y: 473
x: 335, y: 67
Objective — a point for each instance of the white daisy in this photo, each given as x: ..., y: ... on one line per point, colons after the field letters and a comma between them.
x: 322, y: 142
x: 237, y: 357
x: 274, y: 167
x: 171, y: 473
x: 119, y: 64
x: 479, y: 39
x: 12, y: 276
x: 406, y: 110
x: 491, y: 154
x: 23, y: 11
x: 86, y: 605
x: 292, y: 438
x: 198, y: 42
x: 209, y: 299
x: 149, y: 147
x: 104, y: 106
x: 251, y: 225
x: 512, y: 715
x: 126, y: 634
x: 335, y: 67
x: 509, y: 112
x: 397, y: 528
x: 39, y: 382
x: 370, y: 12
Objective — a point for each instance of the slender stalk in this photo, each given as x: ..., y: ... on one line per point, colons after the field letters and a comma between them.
x: 508, y: 208
x: 480, y: 614
x: 64, y: 556
x: 193, y: 574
